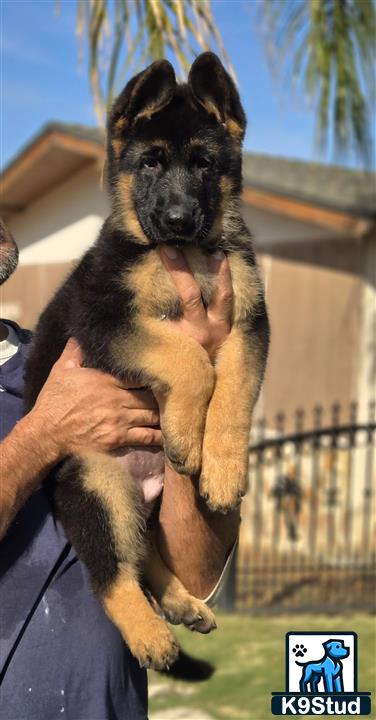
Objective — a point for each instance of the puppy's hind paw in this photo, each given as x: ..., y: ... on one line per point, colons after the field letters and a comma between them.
x: 155, y: 646
x: 189, y: 611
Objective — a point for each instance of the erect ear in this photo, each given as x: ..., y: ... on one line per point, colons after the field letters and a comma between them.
x: 145, y: 94
x: 214, y: 89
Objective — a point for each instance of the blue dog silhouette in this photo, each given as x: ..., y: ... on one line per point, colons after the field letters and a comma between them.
x: 329, y: 668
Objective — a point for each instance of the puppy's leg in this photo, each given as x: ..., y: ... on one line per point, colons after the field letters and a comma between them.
x: 146, y: 634
x: 239, y: 368
x: 176, y: 602
x: 180, y: 369
x: 101, y: 510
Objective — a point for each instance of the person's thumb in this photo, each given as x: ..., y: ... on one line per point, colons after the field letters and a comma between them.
x: 71, y: 356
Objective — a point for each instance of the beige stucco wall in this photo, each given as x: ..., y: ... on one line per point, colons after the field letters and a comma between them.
x: 314, y: 294
x: 28, y: 291
x: 62, y: 224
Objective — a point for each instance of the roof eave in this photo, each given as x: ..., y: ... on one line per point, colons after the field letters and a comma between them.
x: 350, y: 224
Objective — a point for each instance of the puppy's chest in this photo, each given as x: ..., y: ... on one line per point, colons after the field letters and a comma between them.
x: 155, y: 293
x: 153, y: 289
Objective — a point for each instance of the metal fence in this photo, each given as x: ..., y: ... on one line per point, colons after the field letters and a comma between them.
x: 309, y: 521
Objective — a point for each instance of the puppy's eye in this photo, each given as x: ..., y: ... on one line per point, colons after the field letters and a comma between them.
x: 202, y: 163
x: 152, y: 163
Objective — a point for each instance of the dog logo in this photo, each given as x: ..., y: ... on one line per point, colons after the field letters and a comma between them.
x: 321, y: 676
x: 329, y: 668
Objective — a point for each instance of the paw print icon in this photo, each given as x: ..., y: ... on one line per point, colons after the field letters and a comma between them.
x: 299, y: 650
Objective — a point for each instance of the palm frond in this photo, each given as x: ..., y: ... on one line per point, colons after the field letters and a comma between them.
x: 329, y: 45
x: 140, y: 31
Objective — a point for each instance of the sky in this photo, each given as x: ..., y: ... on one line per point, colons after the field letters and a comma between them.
x: 43, y: 79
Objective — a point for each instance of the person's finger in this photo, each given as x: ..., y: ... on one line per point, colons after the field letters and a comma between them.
x: 71, y: 356
x: 186, y: 285
x: 220, y: 307
x: 144, y: 436
x: 139, y: 400
x: 142, y: 418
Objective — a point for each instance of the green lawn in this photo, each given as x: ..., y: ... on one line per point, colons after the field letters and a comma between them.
x: 248, y: 653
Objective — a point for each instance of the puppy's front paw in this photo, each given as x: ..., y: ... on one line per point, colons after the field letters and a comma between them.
x: 223, y: 483
x: 184, y: 457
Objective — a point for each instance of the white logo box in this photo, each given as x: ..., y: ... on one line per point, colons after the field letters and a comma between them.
x: 313, y: 642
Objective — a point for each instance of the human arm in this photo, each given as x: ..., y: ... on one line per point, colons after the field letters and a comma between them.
x: 59, y: 424
x: 193, y: 541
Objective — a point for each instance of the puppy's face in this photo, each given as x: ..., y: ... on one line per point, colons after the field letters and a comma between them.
x: 175, y: 153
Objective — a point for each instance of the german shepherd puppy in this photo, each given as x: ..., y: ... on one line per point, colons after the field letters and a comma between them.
x: 174, y: 172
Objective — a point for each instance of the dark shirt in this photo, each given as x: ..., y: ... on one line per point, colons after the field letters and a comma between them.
x: 60, y: 656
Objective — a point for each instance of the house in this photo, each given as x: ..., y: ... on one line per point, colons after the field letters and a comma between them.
x: 315, y: 234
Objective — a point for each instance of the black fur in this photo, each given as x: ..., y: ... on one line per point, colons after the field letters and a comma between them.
x: 94, y: 305
x: 87, y: 524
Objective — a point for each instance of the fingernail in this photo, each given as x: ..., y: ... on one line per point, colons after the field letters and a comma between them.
x: 170, y: 252
x: 218, y: 254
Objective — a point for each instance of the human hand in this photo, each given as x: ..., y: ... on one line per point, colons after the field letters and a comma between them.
x: 209, y: 327
x: 82, y: 408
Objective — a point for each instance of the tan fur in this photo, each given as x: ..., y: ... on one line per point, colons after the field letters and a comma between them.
x: 247, y: 287
x: 120, y: 496
x: 211, y: 108
x: 155, y: 291
x: 224, y: 475
x: 226, y: 186
x: 159, y: 144
x: 172, y: 360
x: 196, y: 142
x: 232, y: 220
x: 175, y: 360
x: 149, y: 110
x: 120, y: 125
x: 234, y: 129
x: 125, y: 208
x: 117, y: 146
x: 176, y: 602
x: 146, y: 634
x: 117, y: 141
x: 155, y: 143
x: 156, y: 294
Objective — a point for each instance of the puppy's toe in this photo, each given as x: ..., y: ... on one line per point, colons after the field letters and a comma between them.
x: 176, y: 463
x: 183, y: 463
x: 220, y: 499
x: 156, y: 648
x: 189, y: 611
x: 204, y: 623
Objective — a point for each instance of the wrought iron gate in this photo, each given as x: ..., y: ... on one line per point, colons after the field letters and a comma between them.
x: 309, y: 521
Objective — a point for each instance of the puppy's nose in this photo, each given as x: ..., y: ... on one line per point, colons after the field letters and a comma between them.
x: 178, y: 219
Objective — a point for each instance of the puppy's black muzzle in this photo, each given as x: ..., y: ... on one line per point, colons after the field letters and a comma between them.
x: 180, y: 223
x: 178, y: 219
